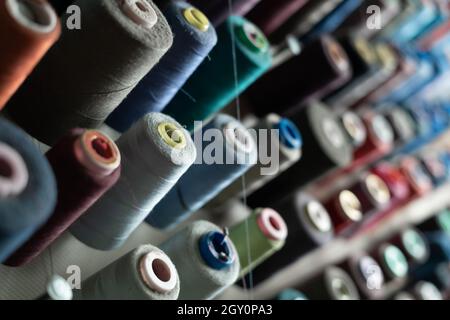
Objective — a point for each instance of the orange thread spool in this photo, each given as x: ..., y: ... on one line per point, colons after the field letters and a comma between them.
x: 28, y: 28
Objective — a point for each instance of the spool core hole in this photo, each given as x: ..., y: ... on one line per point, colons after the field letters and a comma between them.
x: 274, y: 223
x: 102, y: 147
x: 33, y: 12
x: 6, y: 170
x: 141, y: 6
x: 161, y: 270
x: 341, y: 289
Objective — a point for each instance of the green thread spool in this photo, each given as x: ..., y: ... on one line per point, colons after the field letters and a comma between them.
x: 195, y: 102
x: 267, y: 232
x: 394, y: 262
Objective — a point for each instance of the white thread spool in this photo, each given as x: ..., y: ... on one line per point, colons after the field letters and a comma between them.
x: 156, y: 151
x: 145, y: 273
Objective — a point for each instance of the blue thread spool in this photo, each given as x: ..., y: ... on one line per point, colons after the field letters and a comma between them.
x: 424, y: 128
x: 332, y: 21
x: 194, y: 38
x: 237, y: 145
x: 291, y: 294
x: 213, y: 85
x: 289, y: 134
x: 216, y: 250
x: 427, y: 71
x: 423, y: 15
x: 27, y: 189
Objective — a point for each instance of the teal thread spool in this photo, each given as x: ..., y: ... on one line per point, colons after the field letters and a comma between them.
x: 291, y: 294
x: 253, y: 58
x: 267, y: 232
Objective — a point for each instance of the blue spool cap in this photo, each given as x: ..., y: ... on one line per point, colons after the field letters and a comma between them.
x: 216, y: 250
x: 290, y: 136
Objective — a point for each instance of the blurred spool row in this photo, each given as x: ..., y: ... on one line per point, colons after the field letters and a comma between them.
x: 149, y: 173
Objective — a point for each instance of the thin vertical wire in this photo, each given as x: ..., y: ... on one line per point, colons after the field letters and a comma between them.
x: 248, y: 287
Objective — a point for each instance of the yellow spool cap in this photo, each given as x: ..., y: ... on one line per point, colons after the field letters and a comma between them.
x: 196, y: 18
x: 172, y: 135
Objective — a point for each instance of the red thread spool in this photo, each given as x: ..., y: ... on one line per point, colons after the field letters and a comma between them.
x: 28, y: 28
x: 86, y: 164
x: 379, y: 140
x: 419, y: 181
x: 395, y: 181
x: 372, y: 192
x: 269, y: 15
x: 398, y: 188
x: 345, y: 209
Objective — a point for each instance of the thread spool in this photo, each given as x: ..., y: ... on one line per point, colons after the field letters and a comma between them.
x: 269, y: 15
x: 305, y: 19
x: 372, y: 192
x: 406, y: 68
x: 218, y: 11
x: 418, y: 180
x: 27, y: 188
x: 332, y: 20
x: 439, y: 222
x: 86, y: 164
x: 345, y: 209
x: 28, y: 29
x: 404, y: 296
x: 435, y: 166
x: 325, y: 147
x: 395, y: 181
x: 388, y: 65
x: 145, y: 273
x: 379, y: 141
x: 327, y: 66
x: 235, y: 152
x: 99, y: 75
x: 58, y: 289
x: 333, y: 284
x: 437, y: 274
x: 354, y: 128
x: 155, y: 152
x: 367, y: 274
x: 364, y: 65
x: 424, y: 14
x: 357, y: 21
x: 426, y: 71
x: 392, y: 261
x: 194, y: 39
x: 425, y: 290
x: 291, y: 294
x: 414, y: 246
x: 206, y: 260
x: 402, y: 124
x: 309, y: 227
x: 286, y: 143
x: 408, y: 8
x: 267, y: 231
x: 253, y: 58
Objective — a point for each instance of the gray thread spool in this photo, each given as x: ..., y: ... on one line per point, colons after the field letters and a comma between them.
x: 145, y: 273
x: 156, y: 152
x: 88, y: 72
x: 235, y: 143
x: 197, y: 279
x: 253, y: 178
